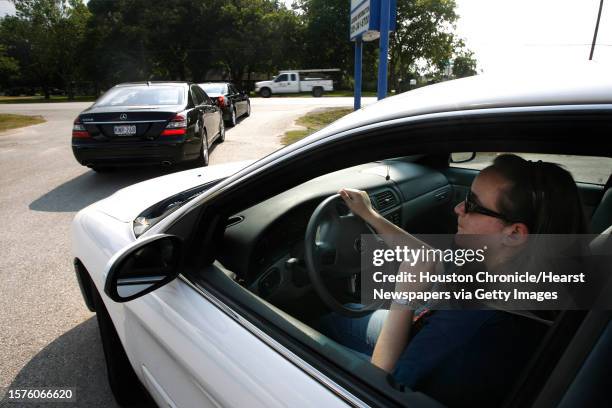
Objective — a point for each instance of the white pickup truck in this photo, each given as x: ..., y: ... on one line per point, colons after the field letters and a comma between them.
x: 296, y: 81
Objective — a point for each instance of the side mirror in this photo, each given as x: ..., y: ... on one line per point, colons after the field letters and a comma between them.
x: 462, y: 157
x: 144, y: 266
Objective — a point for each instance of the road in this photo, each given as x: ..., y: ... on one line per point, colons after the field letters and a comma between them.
x: 48, y: 338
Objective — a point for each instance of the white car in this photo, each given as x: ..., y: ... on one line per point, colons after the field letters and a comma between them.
x: 199, y: 278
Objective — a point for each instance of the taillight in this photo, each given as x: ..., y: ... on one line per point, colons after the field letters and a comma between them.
x: 221, y: 100
x: 176, y: 126
x: 79, y: 131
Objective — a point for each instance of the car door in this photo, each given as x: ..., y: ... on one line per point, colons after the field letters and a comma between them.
x: 239, y: 100
x: 189, y: 351
x: 294, y: 84
x: 211, y: 115
x: 281, y: 83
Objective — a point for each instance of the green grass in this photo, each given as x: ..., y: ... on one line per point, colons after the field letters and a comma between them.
x: 312, y: 122
x: 309, y: 95
x: 41, y: 99
x: 8, y: 121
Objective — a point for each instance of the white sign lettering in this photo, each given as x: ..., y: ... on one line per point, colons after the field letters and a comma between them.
x: 360, y: 18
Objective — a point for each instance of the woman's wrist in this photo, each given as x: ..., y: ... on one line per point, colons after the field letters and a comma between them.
x: 373, y: 218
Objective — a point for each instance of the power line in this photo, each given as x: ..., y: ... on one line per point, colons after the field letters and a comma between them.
x: 596, y: 29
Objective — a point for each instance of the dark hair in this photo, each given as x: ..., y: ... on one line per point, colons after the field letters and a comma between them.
x: 542, y: 195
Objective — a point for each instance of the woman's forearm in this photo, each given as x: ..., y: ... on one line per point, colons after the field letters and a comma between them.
x: 393, y: 338
x: 391, y: 233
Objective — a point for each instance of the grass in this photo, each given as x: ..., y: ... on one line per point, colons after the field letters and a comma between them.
x: 312, y: 122
x: 41, y: 99
x: 309, y: 95
x: 8, y: 121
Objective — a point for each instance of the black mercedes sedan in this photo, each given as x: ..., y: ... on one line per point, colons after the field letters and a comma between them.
x: 147, y: 123
x: 233, y: 102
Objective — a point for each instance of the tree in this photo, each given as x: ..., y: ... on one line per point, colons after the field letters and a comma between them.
x: 423, y: 42
x: 45, y: 36
x: 69, y: 33
x: 464, y: 64
x: 260, y: 36
x: 326, y: 38
x: 9, y: 68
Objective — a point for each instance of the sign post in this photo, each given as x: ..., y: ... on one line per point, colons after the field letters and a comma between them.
x: 371, y: 19
x: 358, y: 58
x: 383, y: 49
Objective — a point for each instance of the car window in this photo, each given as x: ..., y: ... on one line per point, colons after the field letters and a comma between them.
x: 205, y: 97
x: 201, y: 95
x: 293, y: 77
x: 198, y: 99
x: 142, y: 95
x: 585, y: 169
x: 214, y: 88
x: 274, y: 267
x: 281, y: 78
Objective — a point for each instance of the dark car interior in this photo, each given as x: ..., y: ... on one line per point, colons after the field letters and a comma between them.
x: 264, y: 244
x: 261, y: 262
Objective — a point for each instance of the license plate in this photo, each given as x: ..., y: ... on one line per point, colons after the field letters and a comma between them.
x: 124, y: 130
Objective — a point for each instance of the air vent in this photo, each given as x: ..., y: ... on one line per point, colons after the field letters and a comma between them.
x: 384, y: 200
x: 394, y: 217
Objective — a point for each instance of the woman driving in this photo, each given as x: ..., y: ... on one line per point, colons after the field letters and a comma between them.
x: 468, y: 357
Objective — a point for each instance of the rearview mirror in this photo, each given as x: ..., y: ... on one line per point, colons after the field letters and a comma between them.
x: 462, y: 157
x: 144, y: 266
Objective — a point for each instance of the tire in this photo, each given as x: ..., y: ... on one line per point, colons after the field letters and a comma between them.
x: 124, y: 383
x: 265, y: 92
x: 203, y: 158
x: 248, y: 111
x: 221, y: 136
x: 232, y: 121
x: 317, y: 92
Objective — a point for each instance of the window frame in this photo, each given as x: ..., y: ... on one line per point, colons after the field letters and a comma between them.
x: 278, y: 78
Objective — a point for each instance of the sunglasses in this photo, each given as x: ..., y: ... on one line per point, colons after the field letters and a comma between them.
x: 471, y: 206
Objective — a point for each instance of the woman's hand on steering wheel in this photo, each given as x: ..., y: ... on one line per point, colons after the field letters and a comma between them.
x: 358, y: 202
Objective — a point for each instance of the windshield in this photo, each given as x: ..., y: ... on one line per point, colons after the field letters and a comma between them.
x: 214, y: 88
x: 142, y: 95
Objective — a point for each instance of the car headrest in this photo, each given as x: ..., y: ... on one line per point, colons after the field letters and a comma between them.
x: 602, y: 244
x: 602, y: 216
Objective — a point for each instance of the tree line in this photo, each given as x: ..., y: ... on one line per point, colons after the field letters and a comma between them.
x: 86, y: 48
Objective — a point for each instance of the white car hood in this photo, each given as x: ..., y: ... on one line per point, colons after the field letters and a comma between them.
x: 126, y: 204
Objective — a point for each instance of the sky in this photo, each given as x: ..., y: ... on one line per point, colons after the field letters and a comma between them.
x: 505, y: 34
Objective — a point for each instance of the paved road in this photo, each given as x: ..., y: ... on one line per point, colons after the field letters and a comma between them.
x: 47, y: 336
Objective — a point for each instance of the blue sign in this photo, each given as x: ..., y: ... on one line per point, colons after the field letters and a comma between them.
x: 365, y: 18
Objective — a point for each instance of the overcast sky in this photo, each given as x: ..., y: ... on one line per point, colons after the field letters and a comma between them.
x: 526, y: 33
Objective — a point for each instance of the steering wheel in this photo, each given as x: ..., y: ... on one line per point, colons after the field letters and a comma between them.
x: 333, y: 250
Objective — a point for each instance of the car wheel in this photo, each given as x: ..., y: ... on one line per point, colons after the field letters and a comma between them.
x: 203, y: 158
x: 124, y: 383
x: 265, y: 93
x: 317, y: 92
x: 221, y: 131
x: 232, y: 121
x: 248, y: 111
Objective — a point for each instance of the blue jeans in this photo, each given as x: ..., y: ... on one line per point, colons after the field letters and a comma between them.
x: 459, y: 357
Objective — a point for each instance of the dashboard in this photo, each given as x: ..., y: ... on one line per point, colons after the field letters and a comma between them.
x: 264, y: 244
